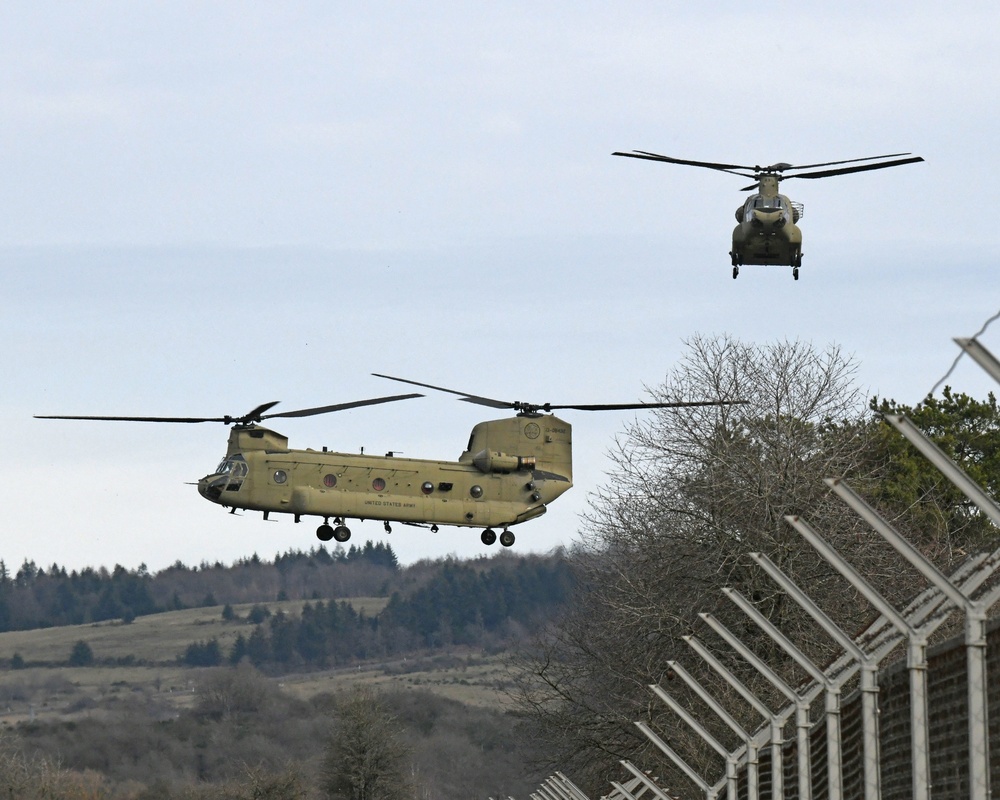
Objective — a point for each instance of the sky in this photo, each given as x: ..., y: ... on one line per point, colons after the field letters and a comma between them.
x: 208, y: 206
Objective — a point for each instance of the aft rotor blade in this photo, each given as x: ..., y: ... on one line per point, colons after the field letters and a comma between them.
x: 828, y: 173
x: 308, y: 412
x: 707, y: 164
x: 469, y: 398
x: 629, y: 406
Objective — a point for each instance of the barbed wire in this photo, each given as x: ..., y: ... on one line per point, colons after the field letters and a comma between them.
x: 961, y: 353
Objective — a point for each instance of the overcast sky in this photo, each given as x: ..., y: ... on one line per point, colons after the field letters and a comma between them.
x: 207, y: 206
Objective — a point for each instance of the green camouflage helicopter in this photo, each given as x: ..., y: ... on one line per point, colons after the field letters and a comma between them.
x: 510, y: 471
x: 767, y: 232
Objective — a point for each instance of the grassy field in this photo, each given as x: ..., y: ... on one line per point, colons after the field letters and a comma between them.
x: 46, y: 688
x: 156, y: 638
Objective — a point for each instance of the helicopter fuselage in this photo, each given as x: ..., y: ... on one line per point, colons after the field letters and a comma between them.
x: 767, y: 233
x: 510, y: 471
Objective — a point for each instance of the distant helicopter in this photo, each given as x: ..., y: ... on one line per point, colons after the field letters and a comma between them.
x: 510, y: 471
x: 767, y: 233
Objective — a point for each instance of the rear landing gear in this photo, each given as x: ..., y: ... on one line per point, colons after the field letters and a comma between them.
x: 341, y: 533
x: 326, y: 532
x: 506, y: 538
x: 795, y: 273
x: 489, y: 536
x: 736, y: 272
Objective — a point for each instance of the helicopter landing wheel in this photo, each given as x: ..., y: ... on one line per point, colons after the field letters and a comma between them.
x: 795, y: 273
x: 324, y: 533
x: 506, y: 538
x: 341, y: 533
x: 736, y: 271
x: 388, y: 527
x: 434, y: 528
x: 489, y: 536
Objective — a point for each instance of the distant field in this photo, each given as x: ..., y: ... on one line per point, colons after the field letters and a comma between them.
x: 155, y: 641
x: 157, y: 638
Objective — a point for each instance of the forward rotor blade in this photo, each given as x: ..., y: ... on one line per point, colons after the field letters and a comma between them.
x: 256, y: 415
x: 226, y: 420
x: 468, y: 398
x: 846, y: 161
x: 732, y: 168
x: 308, y: 412
x: 828, y: 173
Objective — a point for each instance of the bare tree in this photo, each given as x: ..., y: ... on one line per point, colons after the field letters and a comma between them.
x: 693, y: 492
x: 366, y: 758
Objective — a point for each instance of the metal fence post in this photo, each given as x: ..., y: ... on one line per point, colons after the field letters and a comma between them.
x: 646, y: 780
x: 801, y: 704
x: 711, y: 792
x: 830, y: 688
x: 916, y: 656
x: 749, y: 742
x: 975, y: 629
x: 775, y: 722
x: 732, y: 758
x: 869, y: 673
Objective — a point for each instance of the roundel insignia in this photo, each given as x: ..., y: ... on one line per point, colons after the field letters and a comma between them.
x: 531, y: 430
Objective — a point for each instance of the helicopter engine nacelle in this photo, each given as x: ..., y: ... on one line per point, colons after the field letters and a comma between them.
x: 492, y: 461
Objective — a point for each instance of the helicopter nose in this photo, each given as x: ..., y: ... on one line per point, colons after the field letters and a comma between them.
x: 763, y: 217
x: 210, y: 487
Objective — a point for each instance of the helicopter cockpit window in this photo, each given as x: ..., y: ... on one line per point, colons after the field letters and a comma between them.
x: 235, y: 468
x: 759, y: 202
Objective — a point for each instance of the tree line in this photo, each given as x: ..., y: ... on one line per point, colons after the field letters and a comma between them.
x: 35, y: 597
x: 460, y: 604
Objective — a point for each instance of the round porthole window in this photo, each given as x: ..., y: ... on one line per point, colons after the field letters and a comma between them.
x: 427, y: 487
x: 329, y: 480
x: 476, y: 491
x: 280, y: 476
x: 378, y: 484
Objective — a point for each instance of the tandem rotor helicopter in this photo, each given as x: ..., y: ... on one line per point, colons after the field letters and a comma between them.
x: 510, y: 471
x: 767, y: 233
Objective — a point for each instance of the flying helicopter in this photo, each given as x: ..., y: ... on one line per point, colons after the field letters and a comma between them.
x: 510, y: 471
x: 767, y: 232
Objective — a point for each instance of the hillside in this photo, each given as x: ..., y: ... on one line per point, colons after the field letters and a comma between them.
x: 141, y: 659
x: 126, y: 704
